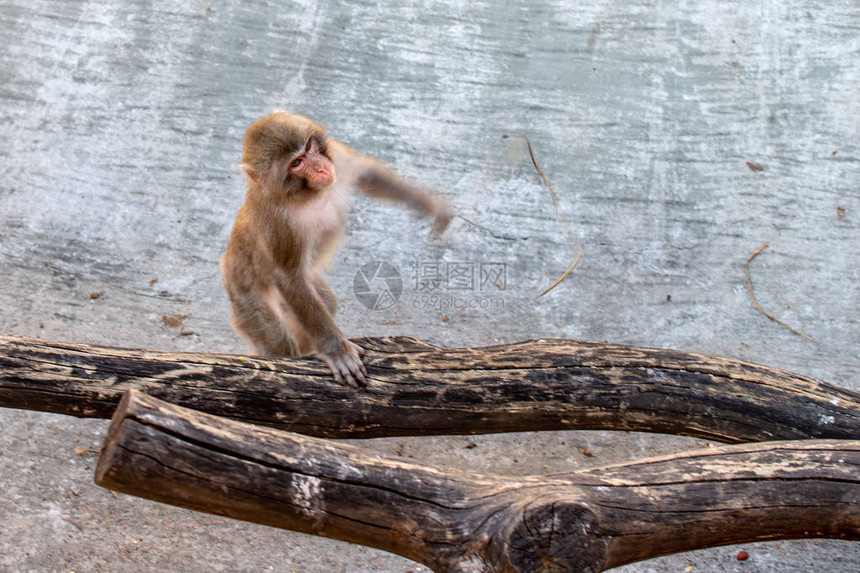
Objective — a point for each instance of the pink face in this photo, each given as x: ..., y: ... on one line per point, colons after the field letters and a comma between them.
x: 313, y: 166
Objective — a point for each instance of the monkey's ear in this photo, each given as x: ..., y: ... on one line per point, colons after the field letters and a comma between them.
x: 249, y: 171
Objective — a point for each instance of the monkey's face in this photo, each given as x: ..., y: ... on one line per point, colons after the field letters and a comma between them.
x: 288, y: 154
x: 311, y: 166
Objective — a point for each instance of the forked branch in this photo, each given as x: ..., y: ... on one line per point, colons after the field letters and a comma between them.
x: 456, y: 521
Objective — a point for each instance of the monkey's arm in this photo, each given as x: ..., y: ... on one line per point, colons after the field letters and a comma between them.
x: 328, y: 342
x: 370, y: 176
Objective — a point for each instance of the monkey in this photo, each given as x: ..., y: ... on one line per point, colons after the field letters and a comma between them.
x: 293, y: 218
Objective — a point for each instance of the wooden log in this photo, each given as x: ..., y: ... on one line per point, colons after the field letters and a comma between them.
x: 457, y: 521
x: 419, y: 389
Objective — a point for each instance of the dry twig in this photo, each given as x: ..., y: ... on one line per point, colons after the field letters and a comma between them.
x: 575, y: 244
x: 755, y: 303
x: 567, y: 272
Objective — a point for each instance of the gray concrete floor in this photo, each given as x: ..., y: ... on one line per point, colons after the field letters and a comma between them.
x: 120, y: 132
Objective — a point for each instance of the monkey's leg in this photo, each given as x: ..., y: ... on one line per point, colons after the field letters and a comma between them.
x: 263, y: 328
x: 326, y: 294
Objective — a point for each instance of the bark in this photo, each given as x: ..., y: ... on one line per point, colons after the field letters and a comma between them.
x: 457, y: 521
x: 419, y: 389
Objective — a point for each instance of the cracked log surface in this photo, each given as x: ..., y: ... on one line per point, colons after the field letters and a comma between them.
x: 419, y: 389
x: 457, y: 521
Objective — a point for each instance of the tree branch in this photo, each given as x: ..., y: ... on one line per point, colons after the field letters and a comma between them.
x: 419, y: 389
x: 457, y: 521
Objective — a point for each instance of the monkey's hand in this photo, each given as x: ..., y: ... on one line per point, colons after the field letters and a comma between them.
x: 442, y: 215
x: 344, y: 361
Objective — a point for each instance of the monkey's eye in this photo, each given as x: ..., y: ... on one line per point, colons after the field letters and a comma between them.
x: 296, y: 162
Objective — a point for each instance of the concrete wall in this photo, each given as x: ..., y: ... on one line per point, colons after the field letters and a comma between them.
x: 120, y: 132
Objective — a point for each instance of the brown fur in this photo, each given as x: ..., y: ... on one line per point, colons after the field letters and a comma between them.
x: 293, y: 218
